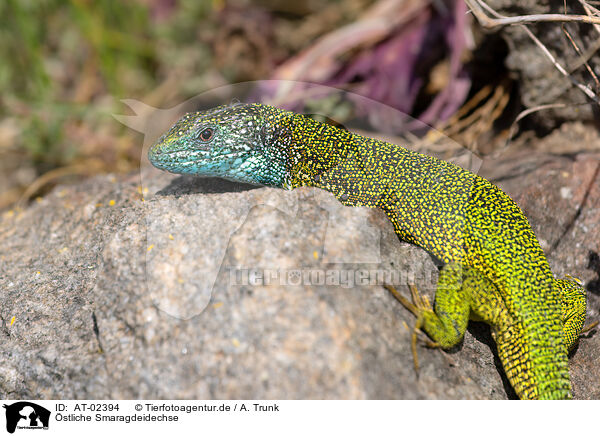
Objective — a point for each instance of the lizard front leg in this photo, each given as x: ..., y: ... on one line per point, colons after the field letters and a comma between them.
x: 446, y: 323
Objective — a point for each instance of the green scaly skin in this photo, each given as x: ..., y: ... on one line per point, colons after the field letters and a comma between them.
x: 494, y: 270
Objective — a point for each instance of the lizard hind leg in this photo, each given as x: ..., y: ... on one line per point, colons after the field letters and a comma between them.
x: 573, y: 300
x: 446, y: 322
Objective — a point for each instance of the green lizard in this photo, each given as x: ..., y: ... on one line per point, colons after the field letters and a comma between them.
x: 495, y: 269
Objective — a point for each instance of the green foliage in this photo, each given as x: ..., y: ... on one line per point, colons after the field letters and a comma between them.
x: 68, y: 63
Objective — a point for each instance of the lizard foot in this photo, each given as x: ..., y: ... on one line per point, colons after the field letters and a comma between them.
x: 589, y: 327
x: 418, y: 307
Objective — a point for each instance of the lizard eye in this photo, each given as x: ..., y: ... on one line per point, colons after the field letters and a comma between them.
x: 206, y: 135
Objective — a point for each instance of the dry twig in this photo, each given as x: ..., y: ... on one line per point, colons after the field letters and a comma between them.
x: 489, y: 22
x: 477, y: 7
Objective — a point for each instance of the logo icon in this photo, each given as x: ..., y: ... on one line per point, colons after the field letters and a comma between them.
x: 26, y: 415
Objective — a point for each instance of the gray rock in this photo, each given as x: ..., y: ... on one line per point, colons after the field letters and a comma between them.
x: 111, y: 295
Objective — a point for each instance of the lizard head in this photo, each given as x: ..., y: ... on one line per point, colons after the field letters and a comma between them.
x: 232, y: 142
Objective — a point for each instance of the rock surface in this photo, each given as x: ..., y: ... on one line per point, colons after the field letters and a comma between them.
x: 112, y: 297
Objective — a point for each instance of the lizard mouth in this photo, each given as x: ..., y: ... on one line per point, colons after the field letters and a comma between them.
x: 199, y: 162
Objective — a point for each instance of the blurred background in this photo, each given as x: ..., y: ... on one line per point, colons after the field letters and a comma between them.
x: 66, y: 65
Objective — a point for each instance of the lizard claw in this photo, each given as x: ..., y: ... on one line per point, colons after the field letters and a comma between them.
x: 589, y: 327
